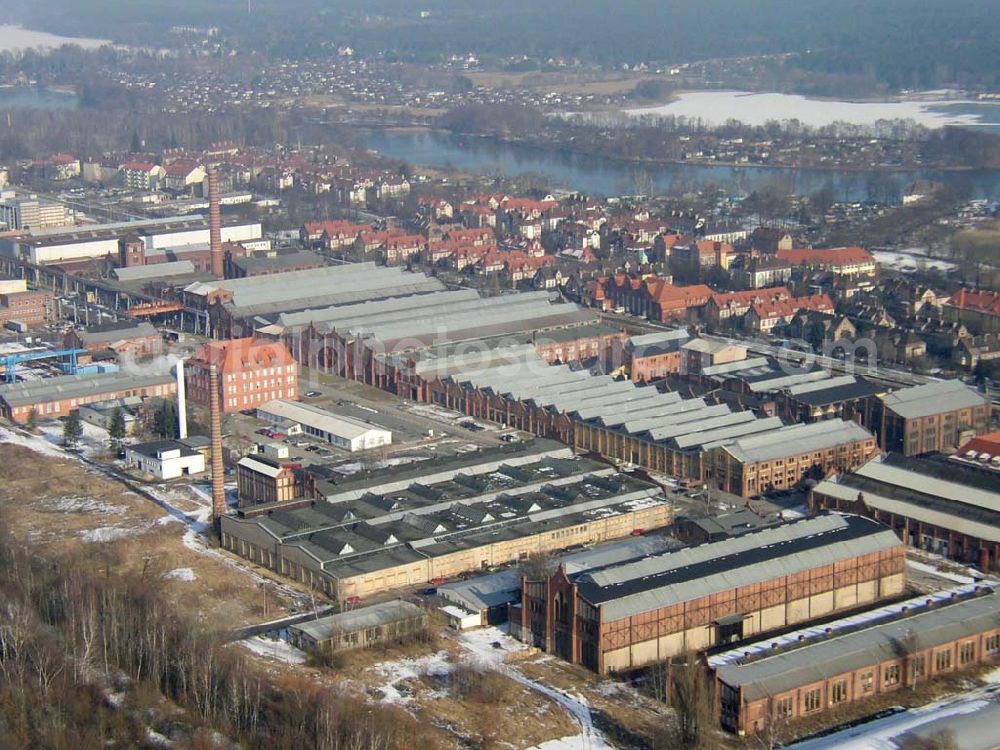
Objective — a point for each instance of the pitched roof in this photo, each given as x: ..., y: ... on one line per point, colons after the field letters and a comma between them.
x: 831, y: 256
x: 933, y: 398
x: 247, y: 354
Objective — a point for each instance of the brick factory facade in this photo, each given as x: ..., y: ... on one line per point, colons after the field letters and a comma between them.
x: 637, y: 613
x: 251, y: 372
x: 804, y: 674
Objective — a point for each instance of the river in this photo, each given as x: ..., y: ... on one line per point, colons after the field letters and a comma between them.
x: 602, y: 176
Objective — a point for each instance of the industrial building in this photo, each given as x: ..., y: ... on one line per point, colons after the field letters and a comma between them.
x: 491, y: 596
x: 69, y: 244
x: 932, y: 502
x: 164, y: 459
x: 251, y: 372
x: 635, y: 613
x: 641, y: 426
x: 344, y: 432
x: 819, y: 669
x: 363, y: 627
x: 31, y: 212
x: 237, y: 306
x: 938, y: 416
x: 444, y: 517
x: 261, y: 479
x: 57, y: 397
x: 137, y: 338
x: 783, y: 458
x: 385, y: 342
x: 28, y: 308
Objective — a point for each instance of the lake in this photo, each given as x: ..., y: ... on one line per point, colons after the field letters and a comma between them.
x: 600, y: 176
x: 16, y: 38
x: 716, y: 107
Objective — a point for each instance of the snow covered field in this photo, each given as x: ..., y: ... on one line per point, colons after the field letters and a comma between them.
x: 911, y: 262
x: 716, y: 107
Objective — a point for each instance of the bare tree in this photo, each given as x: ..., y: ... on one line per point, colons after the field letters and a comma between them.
x: 538, y: 566
x: 691, y: 699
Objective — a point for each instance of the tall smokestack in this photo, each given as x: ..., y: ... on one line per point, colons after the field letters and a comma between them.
x: 182, y: 420
x: 215, y: 225
x: 218, y: 476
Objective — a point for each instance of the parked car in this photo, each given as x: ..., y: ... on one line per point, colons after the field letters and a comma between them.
x: 313, y: 394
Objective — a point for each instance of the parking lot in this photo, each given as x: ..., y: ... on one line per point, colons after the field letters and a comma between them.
x: 419, y: 431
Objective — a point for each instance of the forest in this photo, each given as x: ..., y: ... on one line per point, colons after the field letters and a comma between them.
x: 92, y: 656
x: 902, y: 44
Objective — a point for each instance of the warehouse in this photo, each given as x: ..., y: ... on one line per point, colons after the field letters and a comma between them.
x: 937, y: 416
x: 385, y: 342
x: 489, y: 596
x: 443, y: 518
x: 636, y: 425
x: 57, y: 397
x: 344, y: 432
x: 363, y: 627
x: 238, y: 307
x: 636, y: 613
x: 932, y: 502
x: 74, y: 243
x: 816, y: 670
x: 781, y: 459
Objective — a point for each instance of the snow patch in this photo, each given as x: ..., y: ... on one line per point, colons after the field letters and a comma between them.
x: 109, y: 533
x: 181, y: 574
x: 397, y: 672
x: 278, y: 649
x: 74, y: 504
x: 947, y: 575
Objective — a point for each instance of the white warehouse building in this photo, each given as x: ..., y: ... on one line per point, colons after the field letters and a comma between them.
x: 343, y: 432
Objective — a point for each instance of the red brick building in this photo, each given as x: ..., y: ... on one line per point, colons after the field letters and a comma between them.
x: 802, y: 674
x: 31, y: 307
x: 251, y: 372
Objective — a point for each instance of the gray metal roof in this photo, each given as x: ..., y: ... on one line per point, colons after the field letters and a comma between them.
x: 155, y: 271
x: 796, y: 439
x: 694, y: 572
x: 746, y: 364
x: 298, y: 287
x: 77, y: 386
x: 108, y: 334
x: 359, y: 619
x: 815, y: 661
x: 933, y: 398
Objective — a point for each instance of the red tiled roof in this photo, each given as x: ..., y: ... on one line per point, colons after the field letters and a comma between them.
x: 138, y: 166
x: 988, y: 443
x: 238, y: 355
x: 981, y: 301
x: 831, y: 256
x: 787, y: 307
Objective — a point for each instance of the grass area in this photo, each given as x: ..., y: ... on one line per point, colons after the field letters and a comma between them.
x: 621, y: 712
x: 63, y: 504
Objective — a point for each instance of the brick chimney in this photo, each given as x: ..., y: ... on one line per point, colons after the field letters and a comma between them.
x: 215, y: 225
x: 218, y: 469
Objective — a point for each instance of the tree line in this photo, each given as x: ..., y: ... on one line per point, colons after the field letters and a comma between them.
x: 78, y: 631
